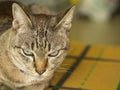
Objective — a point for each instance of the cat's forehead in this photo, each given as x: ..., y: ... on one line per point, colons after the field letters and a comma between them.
x: 44, y: 26
x: 41, y: 20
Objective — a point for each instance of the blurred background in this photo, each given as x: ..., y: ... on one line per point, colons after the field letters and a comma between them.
x: 95, y: 21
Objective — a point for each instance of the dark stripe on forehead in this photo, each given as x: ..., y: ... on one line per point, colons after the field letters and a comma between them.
x: 32, y: 45
x: 45, y: 43
x: 49, y: 46
x: 45, y: 34
x: 37, y: 43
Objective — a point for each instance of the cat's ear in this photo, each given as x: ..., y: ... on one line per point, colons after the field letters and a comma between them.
x: 65, y: 19
x: 19, y: 16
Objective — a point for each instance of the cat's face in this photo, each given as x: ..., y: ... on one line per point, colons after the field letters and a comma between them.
x: 41, y: 42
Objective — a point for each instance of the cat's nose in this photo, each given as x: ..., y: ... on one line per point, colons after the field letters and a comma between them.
x: 40, y: 66
x: 40, y: 71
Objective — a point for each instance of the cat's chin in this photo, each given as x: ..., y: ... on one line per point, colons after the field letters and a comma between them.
x: 39, y: 79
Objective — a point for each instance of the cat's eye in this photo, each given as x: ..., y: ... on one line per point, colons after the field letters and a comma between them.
x: 53, y: 54
x: 27, y: 53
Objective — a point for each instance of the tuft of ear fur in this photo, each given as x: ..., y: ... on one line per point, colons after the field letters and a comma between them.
x: 65, y: 19
x: 19, y: 17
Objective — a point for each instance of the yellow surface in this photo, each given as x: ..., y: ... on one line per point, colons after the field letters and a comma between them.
x: 74, y: 1
x: 76, y: 49
x: 110, y: 52
x: 99, y: 69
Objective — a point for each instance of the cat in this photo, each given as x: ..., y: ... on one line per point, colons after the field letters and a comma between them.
x: 33, y: 48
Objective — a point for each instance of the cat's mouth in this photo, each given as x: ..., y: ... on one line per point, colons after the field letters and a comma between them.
x: 47, y: 71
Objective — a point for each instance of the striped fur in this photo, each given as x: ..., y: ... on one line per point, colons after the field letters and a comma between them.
x: 33, y: 48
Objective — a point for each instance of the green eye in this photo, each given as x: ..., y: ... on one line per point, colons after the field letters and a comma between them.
x: 53, y: 54
x: 27, y: 53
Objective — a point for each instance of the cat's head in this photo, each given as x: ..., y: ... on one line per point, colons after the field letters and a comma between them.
x: 40, y: 42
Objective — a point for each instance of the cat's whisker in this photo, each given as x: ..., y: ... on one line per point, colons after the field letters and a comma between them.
x: 62, y: 71
x: 66, y: 64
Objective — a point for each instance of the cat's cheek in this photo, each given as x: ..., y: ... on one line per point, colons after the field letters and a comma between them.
x: 61, y: 58
x: 51, y: 61
x: 55, y: 62
x: 51, y: 64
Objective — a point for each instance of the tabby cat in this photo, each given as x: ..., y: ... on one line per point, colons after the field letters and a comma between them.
x: 32, y: 49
